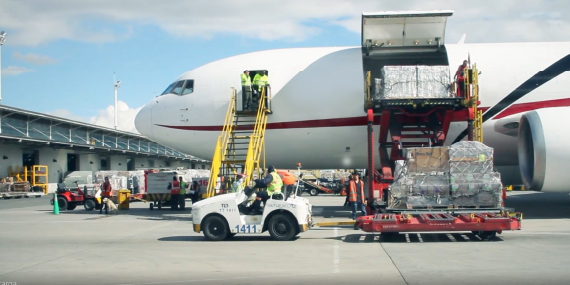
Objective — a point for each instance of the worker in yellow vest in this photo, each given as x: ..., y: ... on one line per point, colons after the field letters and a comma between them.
x: 182, y: 197
x: 262, y: 83
x: 246, y: 90
x: 256, y: 83
x: 273, y: 184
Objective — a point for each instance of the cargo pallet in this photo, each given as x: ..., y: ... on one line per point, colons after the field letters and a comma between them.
x: 421, y: 122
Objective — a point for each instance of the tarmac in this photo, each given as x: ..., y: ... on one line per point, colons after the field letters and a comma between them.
x: 140, y: 246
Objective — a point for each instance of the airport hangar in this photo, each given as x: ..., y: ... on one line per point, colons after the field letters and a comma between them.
x: 30, y: 138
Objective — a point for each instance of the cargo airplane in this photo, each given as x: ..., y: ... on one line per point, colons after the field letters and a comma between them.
x: 317, y: 104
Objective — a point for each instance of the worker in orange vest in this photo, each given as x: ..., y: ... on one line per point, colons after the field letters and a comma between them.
x: 356, y: 194
x: 460, y: 79
x: 174, y: 188
x: 105, y: 193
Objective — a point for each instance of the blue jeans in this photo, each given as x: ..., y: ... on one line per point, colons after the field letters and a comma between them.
x: 355, y: 206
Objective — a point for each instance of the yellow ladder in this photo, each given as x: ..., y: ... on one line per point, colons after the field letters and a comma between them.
x: 243, y: 131
x: 472, y: 90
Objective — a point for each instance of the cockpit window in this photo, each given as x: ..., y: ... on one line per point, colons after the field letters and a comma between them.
x: 182, y: 87
x: 188, y: 88
x: 177, y: 88
x: 168, y: 89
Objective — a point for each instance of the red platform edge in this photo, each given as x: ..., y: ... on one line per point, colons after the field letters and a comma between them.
x: 435, y: 222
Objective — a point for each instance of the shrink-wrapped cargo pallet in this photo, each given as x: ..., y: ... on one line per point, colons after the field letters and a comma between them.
x: 133, y: 180
x: 5, y: 186
x: 460, y: 175
x: 403, y: 82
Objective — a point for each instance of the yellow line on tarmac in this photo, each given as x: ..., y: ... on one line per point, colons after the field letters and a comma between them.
x: 330, y: 224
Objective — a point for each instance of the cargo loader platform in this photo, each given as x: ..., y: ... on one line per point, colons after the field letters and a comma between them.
x: 417, y: 104
x: 421, y: 181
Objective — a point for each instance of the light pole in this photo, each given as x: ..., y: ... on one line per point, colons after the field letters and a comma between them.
x: 116, y: 88
x: 2, y: 38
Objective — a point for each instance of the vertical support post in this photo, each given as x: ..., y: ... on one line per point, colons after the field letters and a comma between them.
x: 2, y: 38
x: 382, y: 140
x: 117, y: 84
x: 371, y: 171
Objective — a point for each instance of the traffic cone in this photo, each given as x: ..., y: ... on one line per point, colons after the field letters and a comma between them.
x: 55, y: 205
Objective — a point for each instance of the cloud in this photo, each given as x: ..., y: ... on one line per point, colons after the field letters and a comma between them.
x: 100, y: 21
x: 67, y: 114
x: 106, y: 117
x: 15, y: 70
x: 125, y: 117
x: 35, y: 59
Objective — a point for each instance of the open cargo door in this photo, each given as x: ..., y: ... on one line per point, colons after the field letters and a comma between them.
x: 404, y: 31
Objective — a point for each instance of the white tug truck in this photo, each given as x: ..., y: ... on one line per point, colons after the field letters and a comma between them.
x: 222, y: 217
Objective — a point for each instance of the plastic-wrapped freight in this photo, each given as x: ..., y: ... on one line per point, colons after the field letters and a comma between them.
x: 473, y: 181
x: 460, y: 175
x: 5, y: 186
x: 428, y: 159
x: 402, y: 82
x: 132, y: 180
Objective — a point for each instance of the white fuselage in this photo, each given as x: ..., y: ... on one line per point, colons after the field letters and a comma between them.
x: 318, y: 98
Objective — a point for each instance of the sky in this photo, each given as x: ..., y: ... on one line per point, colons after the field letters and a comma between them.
x: 61, y: 57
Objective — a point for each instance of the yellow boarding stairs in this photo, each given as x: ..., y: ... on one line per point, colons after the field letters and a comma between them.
x: 241, y: 143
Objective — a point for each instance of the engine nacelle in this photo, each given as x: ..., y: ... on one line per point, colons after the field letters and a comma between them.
x: 544, y: 149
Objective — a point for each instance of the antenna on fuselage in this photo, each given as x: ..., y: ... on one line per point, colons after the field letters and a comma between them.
x: 462, y: 39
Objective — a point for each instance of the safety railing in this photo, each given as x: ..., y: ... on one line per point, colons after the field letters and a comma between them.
x: 472, y: 100
x: 367, y: 91
x: 222, y: 146
x: 256, y: 147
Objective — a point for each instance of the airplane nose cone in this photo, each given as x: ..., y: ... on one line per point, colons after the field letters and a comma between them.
x: 143, y: 121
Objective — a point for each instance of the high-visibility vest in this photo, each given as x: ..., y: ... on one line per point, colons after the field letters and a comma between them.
x: 106, y: 189
x: 352, y: 196
x: 245, y: 80
x: 256, y: 79
x: 237, y: 186
x: 182, y: 187
x: 175, y: 187
x: 275, y: 185
x: 262, y: 81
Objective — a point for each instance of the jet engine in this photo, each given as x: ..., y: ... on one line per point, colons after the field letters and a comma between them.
x: 544, y: 149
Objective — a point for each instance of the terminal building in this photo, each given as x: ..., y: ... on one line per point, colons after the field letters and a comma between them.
x: 30, y: 138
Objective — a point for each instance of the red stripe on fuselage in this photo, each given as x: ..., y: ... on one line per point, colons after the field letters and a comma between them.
x: 362, y: 121
x: 525, y: 107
